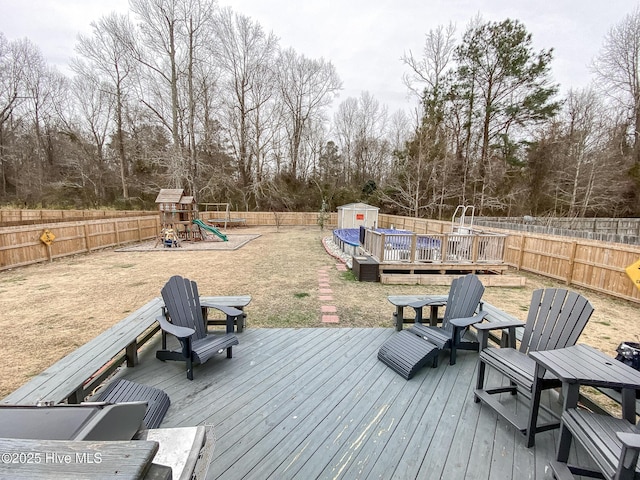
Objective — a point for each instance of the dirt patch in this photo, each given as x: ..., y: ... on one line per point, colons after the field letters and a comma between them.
x: 50, y: 309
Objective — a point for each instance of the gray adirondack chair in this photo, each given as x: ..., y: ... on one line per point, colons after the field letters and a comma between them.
x: 185, y: 322
x: 408, y: 350
x: 556, y: 319
x: 460, y: 313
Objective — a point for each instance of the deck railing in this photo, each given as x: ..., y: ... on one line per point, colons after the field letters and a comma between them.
x: 470, y: 247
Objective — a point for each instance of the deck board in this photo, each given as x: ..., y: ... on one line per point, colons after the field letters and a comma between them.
x: 316, y: 403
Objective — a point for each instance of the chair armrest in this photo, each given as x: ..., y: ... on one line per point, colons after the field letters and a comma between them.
x: 499, y: 325
x: 483, y: 330
x: 176, y: 330
x: 465, y: 322
x: 230, y: 311
x: 629, y: 440
x: 428, y: 302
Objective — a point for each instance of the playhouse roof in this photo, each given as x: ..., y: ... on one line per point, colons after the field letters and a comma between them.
x: 358, y: 206
x: 170, y: 195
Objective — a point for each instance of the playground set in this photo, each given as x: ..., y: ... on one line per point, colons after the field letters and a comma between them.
x: 179, y: 219
x: 222, y: 215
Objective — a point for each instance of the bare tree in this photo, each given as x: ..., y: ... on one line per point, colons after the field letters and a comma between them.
x: 106, y: 61
x: 617, y: 68
x: 88, y: 113
x: 362, y: 128
x: 421, y: 170
x: 12, y: 65
x: 245, y: 55
x: 307, y: 86
x: 428, y: 71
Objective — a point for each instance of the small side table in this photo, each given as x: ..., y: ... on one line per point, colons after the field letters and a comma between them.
x: 584, y: 365
x: 401, y: 301
x: 238, y: 302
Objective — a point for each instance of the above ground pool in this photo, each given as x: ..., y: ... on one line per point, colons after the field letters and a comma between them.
x: 348, y: 239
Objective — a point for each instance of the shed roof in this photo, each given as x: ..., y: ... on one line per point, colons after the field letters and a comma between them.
x: 358, y: 206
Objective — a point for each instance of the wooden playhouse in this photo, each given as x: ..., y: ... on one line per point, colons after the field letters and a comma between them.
x: 177, y: 212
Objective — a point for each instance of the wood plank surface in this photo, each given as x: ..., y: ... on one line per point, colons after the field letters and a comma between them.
x: 316, y: 403
x: 61, y: 459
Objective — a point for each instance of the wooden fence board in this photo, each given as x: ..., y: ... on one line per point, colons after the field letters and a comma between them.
x: 22, y: 245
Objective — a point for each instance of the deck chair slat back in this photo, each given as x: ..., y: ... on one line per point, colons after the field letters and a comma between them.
x: 463, y: 300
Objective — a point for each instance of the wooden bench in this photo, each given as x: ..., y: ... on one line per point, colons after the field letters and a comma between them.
x: 73, y: 377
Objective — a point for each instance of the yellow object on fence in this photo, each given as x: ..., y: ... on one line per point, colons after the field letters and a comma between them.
x: 633, y: 271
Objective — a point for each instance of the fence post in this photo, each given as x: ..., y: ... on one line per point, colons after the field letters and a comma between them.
x: 86, y: 238
x: 523, y: 240
x: 117, y: 231
x: 572, y: 261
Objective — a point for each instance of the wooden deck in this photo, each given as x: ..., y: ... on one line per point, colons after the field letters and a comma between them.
x: 316, y: 403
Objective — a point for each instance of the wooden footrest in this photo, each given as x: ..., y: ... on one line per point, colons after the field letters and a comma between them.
x: 405, y: 353
x: 122, y: 390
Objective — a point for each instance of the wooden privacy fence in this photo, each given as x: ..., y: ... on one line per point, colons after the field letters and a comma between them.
x: 12, y: 217
x: 278, y: 218
x: 618, y: 230
x: 23, y: 245
x: 591, y: 264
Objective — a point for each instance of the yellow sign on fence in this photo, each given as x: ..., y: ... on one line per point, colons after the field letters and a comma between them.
x: 47, y: 237
x: 633, y: 271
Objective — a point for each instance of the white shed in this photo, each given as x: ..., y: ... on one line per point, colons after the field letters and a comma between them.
x: 353, y: 215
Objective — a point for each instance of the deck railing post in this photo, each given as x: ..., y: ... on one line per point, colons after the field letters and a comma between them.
x: 444, y: 247
x: 381, y: 247
x: 414, y: 241
x: 474, y: 247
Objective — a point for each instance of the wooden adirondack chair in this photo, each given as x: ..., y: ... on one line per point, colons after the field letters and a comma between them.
x: 185, y: 322
x: 460, y: 313
x: 556, y: 320
x: 409, y: 350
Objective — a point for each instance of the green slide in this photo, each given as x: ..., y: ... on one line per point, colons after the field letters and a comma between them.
x: 211, y: 229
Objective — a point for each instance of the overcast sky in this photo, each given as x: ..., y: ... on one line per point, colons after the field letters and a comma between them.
x: 364, y: 39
